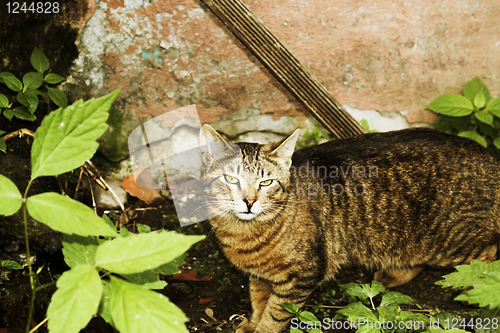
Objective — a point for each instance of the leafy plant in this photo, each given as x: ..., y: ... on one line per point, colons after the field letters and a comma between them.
x: 365, y: 124
x: 29, y: 89
x: 481, y: 282
x: 373, y: 309
x: 313, y: 137
x: 10, y: 264
x: 110, y: 274
x: 302, y: 316
x: 475, y: 115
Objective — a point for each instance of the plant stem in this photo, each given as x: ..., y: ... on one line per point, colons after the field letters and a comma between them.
x: 28, y: 258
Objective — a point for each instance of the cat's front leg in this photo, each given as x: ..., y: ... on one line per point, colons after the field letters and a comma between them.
x: 260, y: 291
x: 275, y: 319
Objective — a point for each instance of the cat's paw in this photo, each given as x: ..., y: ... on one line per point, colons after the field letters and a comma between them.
x: 246, y: 327
x: 396, y: 277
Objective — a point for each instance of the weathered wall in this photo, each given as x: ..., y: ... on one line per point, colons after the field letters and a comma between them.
x: 377, y: 55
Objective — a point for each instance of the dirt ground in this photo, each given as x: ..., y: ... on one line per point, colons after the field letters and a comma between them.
x: 211, y: 292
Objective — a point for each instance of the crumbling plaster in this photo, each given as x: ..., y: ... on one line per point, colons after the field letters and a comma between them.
x: 372, y: 55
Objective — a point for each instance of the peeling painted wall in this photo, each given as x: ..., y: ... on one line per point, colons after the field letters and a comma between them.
x: 372, y: 55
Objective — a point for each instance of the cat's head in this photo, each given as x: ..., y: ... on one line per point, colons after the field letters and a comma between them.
x: 246, y: 180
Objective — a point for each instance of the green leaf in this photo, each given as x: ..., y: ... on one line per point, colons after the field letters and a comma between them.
x: 10, y: 197
x: 4, y: 101
x: 406, y: 316
x: 53, y: 78
x: 143, y: 229
x: 66, y: 215
x: 451, y: 105
x: 22, y: 112
x: 108, y: 221
x: 11, y: 81
x: 148, y: 279
x: 485, y: 292
x: 473, y: 87
x: 75, y: 301
x: 443, y: 124
x: 67, y: 137
x: 486, y: 316
x: 78, y: 250
x: 460, y: 123
x: 124, y: 231
x: 491, y: 131
x: 172, y: 267
x: 357, y: 312
x: 32, y: 80
x: 468, y: 275
x: 479, y: 100
x: 135, y: 309
x: 104, y: 307
x: 58, y: 97
x: 306, y: 316
x: 353, y: 289
x: 493, y: 107
x: 10, y: 264
x: 365, y: 328
x: 475, y: 136
x: 295, y: 330
x: 28, y: 99
x: 485, y: 117
x: 363, y: 291
x: 8, y: 114
x: 386, y: 314
x: 141, y: 252
x: 393, y: 297
x: 3, y: 146
x: 39, y: 61
x: 496, y: 142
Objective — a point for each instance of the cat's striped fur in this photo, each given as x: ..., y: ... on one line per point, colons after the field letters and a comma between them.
x: 434, y: 200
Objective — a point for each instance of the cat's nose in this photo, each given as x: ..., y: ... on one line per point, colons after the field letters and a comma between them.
x: 249, y: 202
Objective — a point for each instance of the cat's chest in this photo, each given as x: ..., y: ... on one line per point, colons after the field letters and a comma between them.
x: 269, y: 256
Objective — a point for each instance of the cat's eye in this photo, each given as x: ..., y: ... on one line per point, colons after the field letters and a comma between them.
x: 266, y: 182
x: 231, y: 179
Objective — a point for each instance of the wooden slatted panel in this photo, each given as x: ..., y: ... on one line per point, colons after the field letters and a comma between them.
x: 285, y: 67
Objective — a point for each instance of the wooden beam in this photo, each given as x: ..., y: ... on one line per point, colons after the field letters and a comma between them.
x: 285, y: 67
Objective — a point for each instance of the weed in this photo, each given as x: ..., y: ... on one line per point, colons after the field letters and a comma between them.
x: 474, y: 115
x: 110, y: 274
x: 28, y: 91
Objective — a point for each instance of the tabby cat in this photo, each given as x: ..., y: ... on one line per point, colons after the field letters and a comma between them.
x: 395, y: 202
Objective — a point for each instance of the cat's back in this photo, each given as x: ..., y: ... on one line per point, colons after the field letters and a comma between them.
x: 404, y: 146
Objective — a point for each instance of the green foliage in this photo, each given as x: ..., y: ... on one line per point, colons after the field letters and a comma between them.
x: 111, y: 273
x: 10, y: 264
x: 474, y: 115
x: 365, y: 124
x: 62, y: 133
x: 28, y: 90
x: 483, y: 277
x: 303, y: 316
x: 374, y: 309
x: 312, y: 138
x: 10, y: 197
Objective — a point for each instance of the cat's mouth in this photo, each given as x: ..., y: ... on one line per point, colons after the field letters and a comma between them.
x: 246, y: 215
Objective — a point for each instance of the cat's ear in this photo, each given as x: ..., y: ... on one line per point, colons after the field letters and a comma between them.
x: 213, y: 145
x: 285, y: 149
